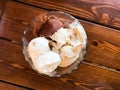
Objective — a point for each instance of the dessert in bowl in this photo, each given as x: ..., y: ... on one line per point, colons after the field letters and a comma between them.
x: 54, y: 43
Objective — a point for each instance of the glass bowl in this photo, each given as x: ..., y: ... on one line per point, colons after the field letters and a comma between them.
x: 28, y: 36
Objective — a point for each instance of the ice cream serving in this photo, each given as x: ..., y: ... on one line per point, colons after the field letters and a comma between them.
x: 58, y: 44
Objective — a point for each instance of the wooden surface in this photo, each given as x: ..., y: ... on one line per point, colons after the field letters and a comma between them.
x: 99, y: 71
x: 105, y: 12
x: 10, y: 86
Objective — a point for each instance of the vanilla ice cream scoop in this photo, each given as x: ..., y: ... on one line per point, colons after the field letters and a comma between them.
x: 79, y: 32
x: 69, y: 55
x: 38, y: 46
x: 47, y: 62
x: 61, y: 37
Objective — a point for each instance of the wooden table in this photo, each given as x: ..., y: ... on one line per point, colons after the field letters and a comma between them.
x: 101, y: 67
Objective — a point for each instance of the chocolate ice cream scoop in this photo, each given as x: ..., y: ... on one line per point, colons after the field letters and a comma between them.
x: 50, y: 26
x: 45, y: 25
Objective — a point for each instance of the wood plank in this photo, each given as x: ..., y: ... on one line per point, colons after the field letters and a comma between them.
x: 20, y: 13
x: 93, y: 77
x: 6, y: 86
x: 103, y: 45
x: 102, y: 49
x: 104, y: 12
x: 86, y: 77
x: 16, y: 70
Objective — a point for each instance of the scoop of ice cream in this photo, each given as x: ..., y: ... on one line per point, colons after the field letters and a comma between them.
x: 67, y: 51
x: 46, y: 24
x: 69, y: 55
x: 66, y: 61
x: 79, y: 32
x: 60, y: 37
x: 38, y: 46
x: 50, y: 26
x: 47, y: 62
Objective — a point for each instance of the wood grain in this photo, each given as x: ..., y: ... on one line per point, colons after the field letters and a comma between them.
x: 86, y: 77
x: 107, y: 48
x: 6, y: 86
x: 104, y: 12
x: 16, y: 70
x: 20, y: 13
x: 103, y: 45
x: 100, y: 71
x: 104, y: 41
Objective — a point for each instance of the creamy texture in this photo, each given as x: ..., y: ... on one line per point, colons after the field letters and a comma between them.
x: 47, y: 62
x: 61, y: 37
x: 69, y: 43
x: 79, y: 32
x: 44, y: 60
x: 62, y: 49
x: 38, y: 46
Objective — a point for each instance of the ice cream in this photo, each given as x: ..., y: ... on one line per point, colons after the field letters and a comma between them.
x: 47, y: 62
x: 38, y: 46
x: 61, y: 37
x: 45, y: 25
x: 44, y: 60
x: 50, y: 26
x: 58, y: 43
x: 69, y: 43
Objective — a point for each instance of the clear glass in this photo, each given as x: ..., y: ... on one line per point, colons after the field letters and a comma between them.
x: 28, y: 35
x: 2, y: 7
